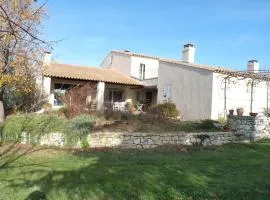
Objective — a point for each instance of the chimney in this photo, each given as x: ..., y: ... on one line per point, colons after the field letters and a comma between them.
x: 253, y: 66
x: 47, y: 58
x: 189, y: 53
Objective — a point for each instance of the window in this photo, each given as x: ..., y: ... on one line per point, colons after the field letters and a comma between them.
x: 59, y: 91
x: 142, y: 71
x: 167, y: 92
x: 115, y: 96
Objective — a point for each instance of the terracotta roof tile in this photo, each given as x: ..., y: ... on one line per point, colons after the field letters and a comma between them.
x: 201, y: 66
x: 88, y: 73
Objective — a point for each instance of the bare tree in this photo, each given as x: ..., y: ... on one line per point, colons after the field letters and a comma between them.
x: 80, y: 99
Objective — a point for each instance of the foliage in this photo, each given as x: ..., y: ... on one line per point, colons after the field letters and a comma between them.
x: 167, y: 110
x: 75, y: 100
x: 78, y: 130
x: 20, y: 53
x: 226, y: 172
x: 112, y: 115
x: 222, y: 121
x: 34, y: 124
x: 207, y: 124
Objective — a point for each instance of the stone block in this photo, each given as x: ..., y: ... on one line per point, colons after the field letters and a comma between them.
x: 175, y: 137
x: 155, y: 138
x: 137, y: 141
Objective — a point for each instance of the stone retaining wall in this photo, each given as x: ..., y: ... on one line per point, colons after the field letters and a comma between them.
x: 242, y: 129
x: 254, y: 128
x: 151, y: 140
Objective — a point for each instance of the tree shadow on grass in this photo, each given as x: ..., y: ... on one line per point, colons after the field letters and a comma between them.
x: 225, y: 173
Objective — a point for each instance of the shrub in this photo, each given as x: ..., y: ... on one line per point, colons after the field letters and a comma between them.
x: 47, y: 108
x: 207, y: 124
x: 167, y: 110
x: 35, y: 125
x: 112, y: 115
x: 13, y: 128
x: 75, y: 100
x: 78, y: 130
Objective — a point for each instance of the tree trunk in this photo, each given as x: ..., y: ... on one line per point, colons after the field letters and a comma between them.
x: 2, y: 113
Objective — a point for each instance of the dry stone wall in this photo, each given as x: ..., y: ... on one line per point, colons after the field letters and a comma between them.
x: 151, y: 140
x: 254, y: 128
x: 243, y: 129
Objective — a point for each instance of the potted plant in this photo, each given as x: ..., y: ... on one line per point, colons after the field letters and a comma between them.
x: 240, y: 111
x: 231, y: 111
x: 252, y: 114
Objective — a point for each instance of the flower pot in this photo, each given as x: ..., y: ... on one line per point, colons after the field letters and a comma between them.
x: 253, y: 114
x: 240, y: 111
x: 231, y: 112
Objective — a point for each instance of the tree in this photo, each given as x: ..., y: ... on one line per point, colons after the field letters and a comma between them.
x: 20, y: 49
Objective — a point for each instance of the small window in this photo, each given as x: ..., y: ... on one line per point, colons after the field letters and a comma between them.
x: 167, y: 92
x: 142, y: 72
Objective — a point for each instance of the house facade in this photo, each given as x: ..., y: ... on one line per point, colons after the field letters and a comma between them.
x: 199, y: 91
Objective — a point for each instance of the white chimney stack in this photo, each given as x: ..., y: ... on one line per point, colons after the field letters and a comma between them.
x: 189, y: 53
x: 47, y: 58
x: 253, y: 66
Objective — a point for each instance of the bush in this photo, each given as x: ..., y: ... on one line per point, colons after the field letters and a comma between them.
x: 207, y: 124
x: 167, y: 110
x: 78, y: 130
x: 35, y: 125
x: 75, y: 100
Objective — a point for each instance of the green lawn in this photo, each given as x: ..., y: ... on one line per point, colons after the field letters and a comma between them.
x: 239, y: 171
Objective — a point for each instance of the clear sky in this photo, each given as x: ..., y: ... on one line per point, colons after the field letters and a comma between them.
x: 226, y: 33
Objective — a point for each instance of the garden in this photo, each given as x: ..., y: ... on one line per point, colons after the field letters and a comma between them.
x: 233, y: 171
x: 76, y: 127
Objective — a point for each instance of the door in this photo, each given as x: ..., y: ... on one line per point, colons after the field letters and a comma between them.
x: 149, y: 98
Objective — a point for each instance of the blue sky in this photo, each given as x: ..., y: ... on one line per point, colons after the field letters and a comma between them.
x: 226, y: 33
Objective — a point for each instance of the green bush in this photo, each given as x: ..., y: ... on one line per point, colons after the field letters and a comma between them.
x: 35, y: 125
x: 78, y: 130
x: 167, y: 110
x: 207, y: 124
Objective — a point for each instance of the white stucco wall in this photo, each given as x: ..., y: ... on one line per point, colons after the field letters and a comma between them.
x: 151, y: 67
x: 117, y: 61
x: 100, y: 95
x: 48, y: 88
x: 238, y: 95
x: 191, y: 89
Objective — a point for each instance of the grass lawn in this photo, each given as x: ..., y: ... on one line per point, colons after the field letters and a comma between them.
x: 239, y: 171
